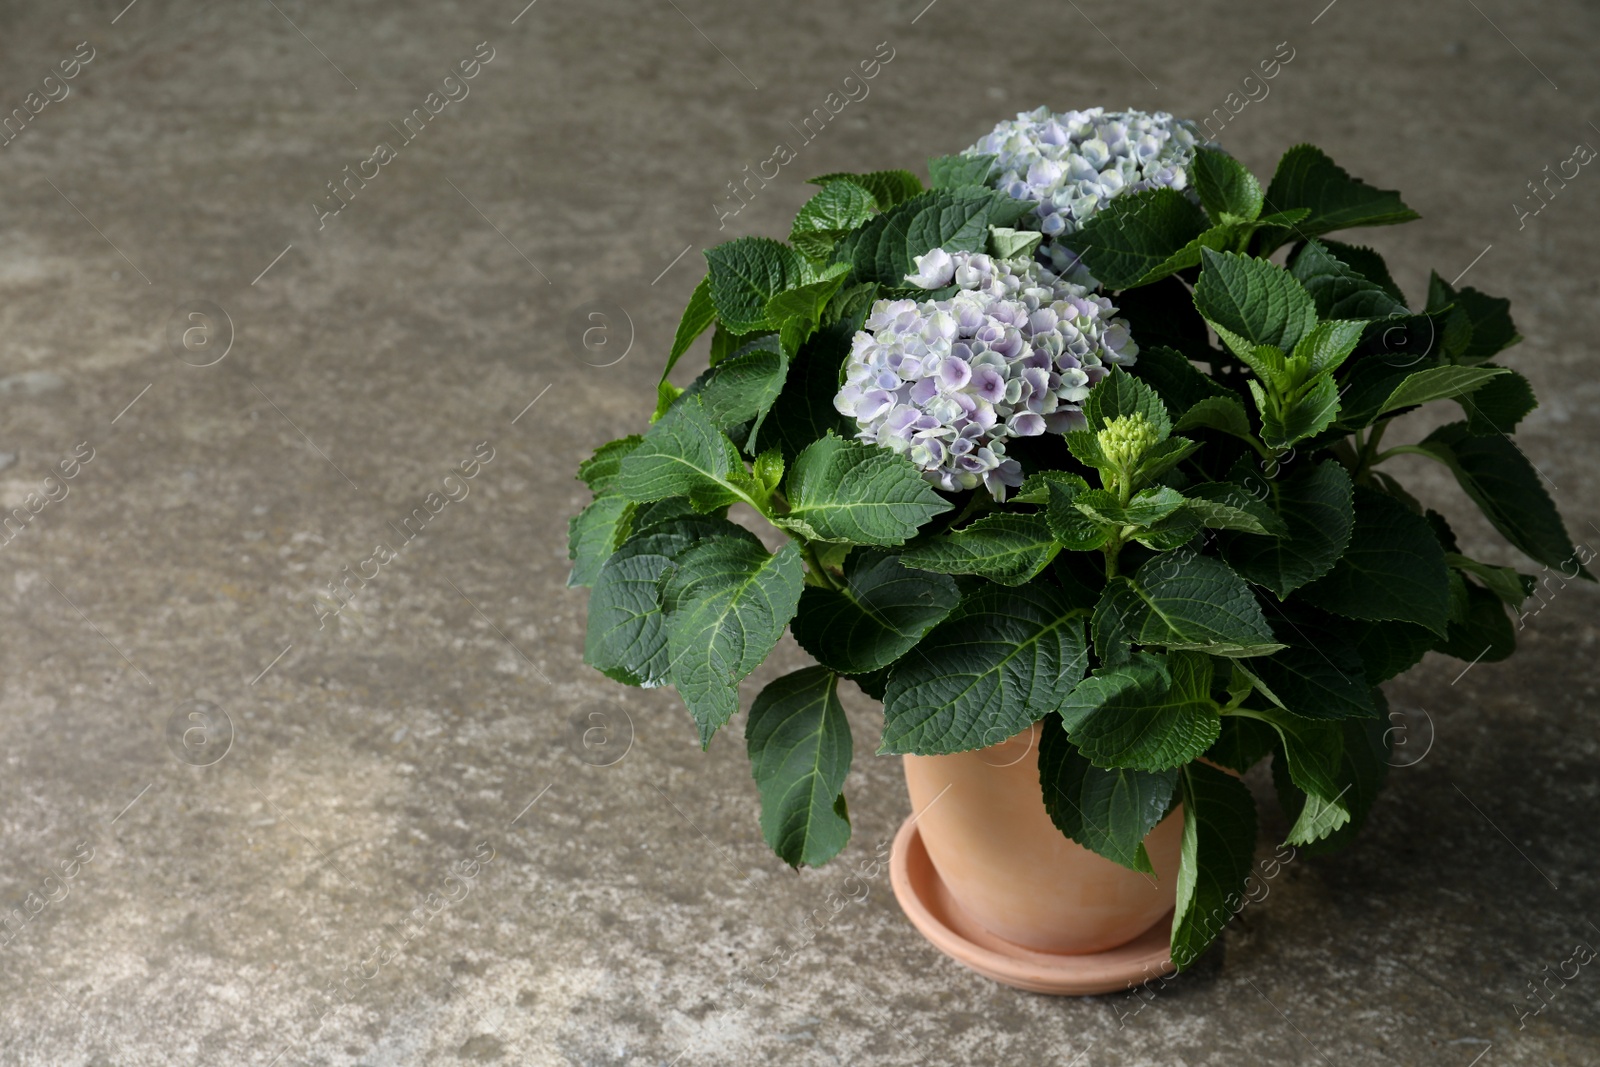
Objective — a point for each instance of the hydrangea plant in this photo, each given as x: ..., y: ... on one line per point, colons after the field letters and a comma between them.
x: 1155, y: 517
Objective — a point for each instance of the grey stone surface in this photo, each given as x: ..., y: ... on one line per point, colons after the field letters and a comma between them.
x: 268, y: 797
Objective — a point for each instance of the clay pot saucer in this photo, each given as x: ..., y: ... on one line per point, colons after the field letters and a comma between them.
x: 936, y: 915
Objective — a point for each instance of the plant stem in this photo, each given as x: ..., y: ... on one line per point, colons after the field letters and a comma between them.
x: 815, y: 568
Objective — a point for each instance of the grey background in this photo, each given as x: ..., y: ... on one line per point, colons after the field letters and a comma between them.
x: 372, y: 752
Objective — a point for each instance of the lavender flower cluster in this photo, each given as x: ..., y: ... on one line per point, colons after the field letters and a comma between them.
x: 1012, y: 353
x: 1070, y: 164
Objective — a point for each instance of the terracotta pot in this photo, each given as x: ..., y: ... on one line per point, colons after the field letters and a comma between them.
x: 1006, y: 868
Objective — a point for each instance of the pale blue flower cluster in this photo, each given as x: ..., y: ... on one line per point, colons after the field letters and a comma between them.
x: 1070, y: 164
x: 1012, y: 353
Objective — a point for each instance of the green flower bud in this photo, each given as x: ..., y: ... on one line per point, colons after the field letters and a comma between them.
x: 1126, y: 438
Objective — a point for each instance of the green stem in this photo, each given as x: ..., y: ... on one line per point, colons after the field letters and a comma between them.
x: 815, y: 569
x: 1403, y: 450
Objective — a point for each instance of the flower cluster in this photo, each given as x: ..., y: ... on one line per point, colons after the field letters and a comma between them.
x: 1070, y: 164
x: 1012, y: 353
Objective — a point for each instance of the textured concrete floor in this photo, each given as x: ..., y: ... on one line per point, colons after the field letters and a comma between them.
x: 297, y: 838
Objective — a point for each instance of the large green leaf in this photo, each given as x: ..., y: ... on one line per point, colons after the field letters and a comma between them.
x: 804, y: 410
x: 1253, y: 299
x: 684, y: 454
x: 1363, y: 765
x: 1437, y: 383
x: 1219, y: 842
x: 1152, y: 713
x: 797, y: 311
x: 888, y: 187
x: 1311, y: 411
x: 883, y: 610
x: 725, y: 603
x: 1483, y: 633
x: 1178, y: 383
x: 743, y: 386
x: 1394, y: 569
x: 1225, y: 185
x: 1195, y: 603
x: 1005, y: 659
x: 1008, y: 548
x: 1307, y: 178
x: 700, y: 314
x: 1108, y: 812
x: 1223, y: 413
x: 952, y: 219
x: 1314, y: 500
x: 594, y: 533
x: 1229, y: 506
x: 625, y: 639
x: 1121, y: 393
x: 857, y: 493
x: 1312, y: 753
x: 949, y: 172
x: 839, y: 208
x: 1487, y: 321
x: 1319, y: 675
x: 1499, y: 404
x: 602, y: 471
x: 799, y: 744
x: 1339, y: 290
x: 1501, y: 481
x: 1129, y: 240
x: 746, y: 273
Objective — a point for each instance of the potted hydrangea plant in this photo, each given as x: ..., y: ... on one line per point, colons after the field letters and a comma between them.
x: 1078, y: 455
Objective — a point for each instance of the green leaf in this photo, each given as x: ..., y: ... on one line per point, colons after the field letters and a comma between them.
x: 1219, y: 843
x: 1008, y: 548
x: 800, y: 748
x: 746, y: 273
x: 804, y: 410
x: 797, y: 312
x: 1484, y: 632
x: 1311, y: 751
x: 1363, y: 765
x: 743, y: 386
x: 1228, y: 506
x: 1367, y: 263
x: 1120, y: 393
x: 1328, y: 343
x: 1006, y: 243
x: 1318, y: 675
x: 700, y: 313
x: 1437, y: 383
x: 1223, y: 413
x: 1503, y: 582
x: 950, y: 172
x: 1144, y: 508
x: 1394, y: 569
x: 600, y: 472
x: 1071, y: 528
x: 683, y: 455
x: 888, y: 187
x: 1036, y: 487
x: 1501, y: 481
x: 1152, y: 713
x: 1226, y: 186
x: 1108, y: 812
x: 594, y: 533
x: 859, y: 493
x: 1488, y: 320
x: 625, y: 640
x: 1339, y: 290
x: 1498, y: 405
x: 1195, y: 603
x: 725, y: 603
x: 956, y: 220
x: 1310, y: 412
x: 839, y: 208
x: 1129, y: 240
x: 883, y: 610
x: 1005, y: 659
x: 1254, y: 299
x: 1162, y: 458
x: 1315, y: 503
x: 1242, y: 744
x: 1308, y: 178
